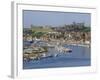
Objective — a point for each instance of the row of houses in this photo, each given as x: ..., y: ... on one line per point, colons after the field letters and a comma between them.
x: 65, y: 33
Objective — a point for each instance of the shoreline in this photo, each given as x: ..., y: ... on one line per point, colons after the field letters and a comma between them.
x: 81, y: 45
x: 71, y: 43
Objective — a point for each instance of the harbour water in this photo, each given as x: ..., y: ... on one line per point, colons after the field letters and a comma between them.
x: 80, y: 56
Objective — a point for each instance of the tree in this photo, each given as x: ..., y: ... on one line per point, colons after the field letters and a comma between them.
x: 39, y: 34
x: 83, y: 37
x: 32, y: 34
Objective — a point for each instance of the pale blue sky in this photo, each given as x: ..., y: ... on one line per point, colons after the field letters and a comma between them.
x: 54, y: 18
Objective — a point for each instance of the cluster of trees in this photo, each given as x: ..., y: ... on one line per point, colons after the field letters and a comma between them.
x: 30, y: 32
x: 77, y: 27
